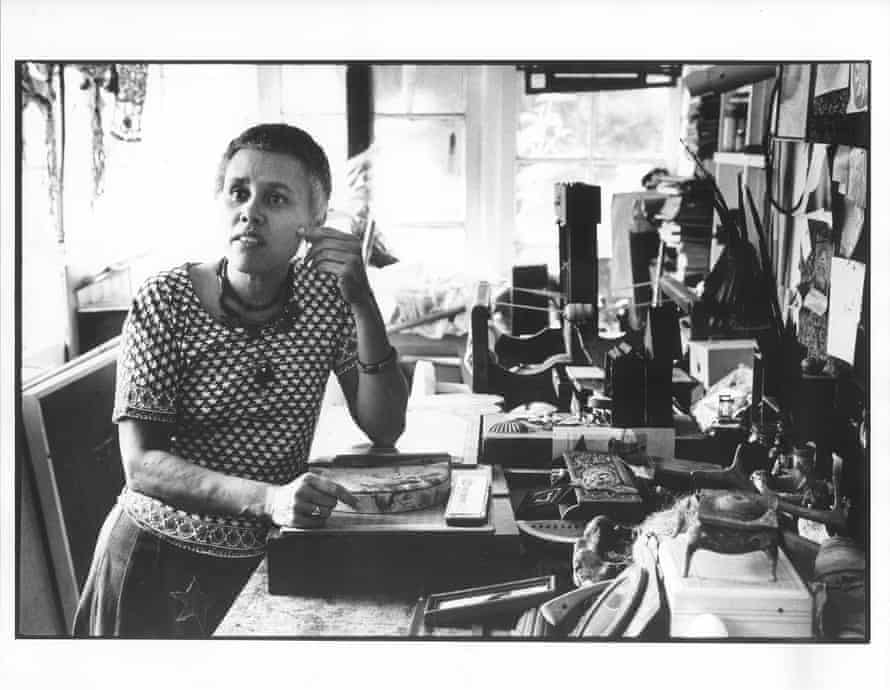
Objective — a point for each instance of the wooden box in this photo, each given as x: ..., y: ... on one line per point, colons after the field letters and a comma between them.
x: 538, y: 447
x: 738, y: 590
x: 711, y: 360
x: 400, y: 551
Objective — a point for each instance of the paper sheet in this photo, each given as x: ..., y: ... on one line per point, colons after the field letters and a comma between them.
x: 841, y: 169
x: 831, y: 77
x: 845, y: 307
x: 816, y: 302
x: 858, y: 88
x: 857, y: 184
x: 854, y: 217
x: 818, y: 166
x: 794, y: 101
x: 806, y: 244
x: 794, y: 304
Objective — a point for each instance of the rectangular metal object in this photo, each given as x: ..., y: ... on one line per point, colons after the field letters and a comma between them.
x: 470, y: 493
x: 480, y: 603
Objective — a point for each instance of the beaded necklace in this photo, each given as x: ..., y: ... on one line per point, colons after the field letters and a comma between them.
x: 227, y: 292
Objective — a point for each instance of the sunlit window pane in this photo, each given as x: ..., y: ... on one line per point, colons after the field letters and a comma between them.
x: 609, y: 139
x: 418, y: 89
x: 313, y: 89
x: 630, y: 123
x: 442, y: 249
x: 536, y: 233
x: 419, y: 174
x: 553, y: 125
x: 330, y: 133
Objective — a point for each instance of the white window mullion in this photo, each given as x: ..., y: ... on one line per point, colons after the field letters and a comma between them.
x: 491, y: 153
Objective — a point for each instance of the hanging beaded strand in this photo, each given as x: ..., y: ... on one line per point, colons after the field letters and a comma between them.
x: 227, y: 292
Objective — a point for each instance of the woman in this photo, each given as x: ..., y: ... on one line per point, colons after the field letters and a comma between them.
x: 221, y: 375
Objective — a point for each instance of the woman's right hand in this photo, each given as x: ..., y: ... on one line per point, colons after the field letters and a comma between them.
x: 305, y: 502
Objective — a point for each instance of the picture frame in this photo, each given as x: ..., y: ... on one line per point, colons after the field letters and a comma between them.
x: 477, y: 603
x: 72, y: 445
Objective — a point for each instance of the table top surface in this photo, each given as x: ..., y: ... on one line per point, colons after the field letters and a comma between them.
x: 257, y: 613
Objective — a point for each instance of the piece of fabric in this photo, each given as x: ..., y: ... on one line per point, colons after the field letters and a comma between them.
x: 243, y: 401
x: 142, y: 586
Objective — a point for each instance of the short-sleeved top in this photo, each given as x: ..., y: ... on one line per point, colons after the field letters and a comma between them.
x: 242, y: 401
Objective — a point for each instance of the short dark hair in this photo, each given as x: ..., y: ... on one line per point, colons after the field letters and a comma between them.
x: 291, y: 141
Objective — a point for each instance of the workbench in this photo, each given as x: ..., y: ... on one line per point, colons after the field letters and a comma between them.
x: 371, y: 587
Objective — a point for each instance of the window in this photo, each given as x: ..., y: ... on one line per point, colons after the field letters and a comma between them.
x: 609, y: 139
x: 313, y: 97
x: 420, y: 179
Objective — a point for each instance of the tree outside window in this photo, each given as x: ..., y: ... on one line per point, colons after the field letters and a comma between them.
x: 609, y: 139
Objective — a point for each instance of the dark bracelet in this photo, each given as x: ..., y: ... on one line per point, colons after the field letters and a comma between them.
x: 377, y: 367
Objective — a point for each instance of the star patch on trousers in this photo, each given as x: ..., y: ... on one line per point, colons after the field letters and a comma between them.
x: 195, y: 604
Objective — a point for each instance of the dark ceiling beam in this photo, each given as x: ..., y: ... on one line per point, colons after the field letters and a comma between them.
x: 359, y: 108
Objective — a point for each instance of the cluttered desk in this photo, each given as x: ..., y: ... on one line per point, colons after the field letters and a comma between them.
x: 561, y: 499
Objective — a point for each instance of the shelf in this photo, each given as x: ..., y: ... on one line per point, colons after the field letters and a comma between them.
x: 747, y: 160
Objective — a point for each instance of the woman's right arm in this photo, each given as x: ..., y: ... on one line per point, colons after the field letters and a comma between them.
x: 151, y: 469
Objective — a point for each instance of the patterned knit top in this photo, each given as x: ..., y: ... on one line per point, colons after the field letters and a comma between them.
x: 243, y: 401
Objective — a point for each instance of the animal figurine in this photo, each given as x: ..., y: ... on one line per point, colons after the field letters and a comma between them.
x: 602, y: 552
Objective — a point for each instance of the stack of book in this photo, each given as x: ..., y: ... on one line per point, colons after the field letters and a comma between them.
x: 702, y: 125
x: 685, y: 221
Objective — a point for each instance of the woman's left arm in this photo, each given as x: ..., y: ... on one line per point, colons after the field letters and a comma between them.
x: 375, y: 390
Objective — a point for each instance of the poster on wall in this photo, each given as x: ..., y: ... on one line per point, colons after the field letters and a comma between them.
x: 845, y: 307
x: 831, y: 76
x: 858, y: 88
x: 794, y: 99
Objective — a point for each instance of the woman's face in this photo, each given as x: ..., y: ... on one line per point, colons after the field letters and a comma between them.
x: 266, y: 205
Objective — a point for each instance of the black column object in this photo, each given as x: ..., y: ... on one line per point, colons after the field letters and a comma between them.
x: 527, y: 321
x: 578, y: 213
x: 626, y: 375
x: 359, y: 108
x: 662, y: 348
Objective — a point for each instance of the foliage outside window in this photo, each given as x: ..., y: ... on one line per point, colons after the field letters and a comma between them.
x: 609, y: 139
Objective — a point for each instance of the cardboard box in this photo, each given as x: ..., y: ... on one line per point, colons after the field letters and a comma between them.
x: 711, y: 360
x: 738, y: 590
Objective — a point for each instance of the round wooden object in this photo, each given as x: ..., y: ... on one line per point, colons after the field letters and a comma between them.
x: 393, y: 489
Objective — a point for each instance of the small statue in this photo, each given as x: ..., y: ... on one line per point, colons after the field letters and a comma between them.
x: 602, y: 552
x: 791, y: 474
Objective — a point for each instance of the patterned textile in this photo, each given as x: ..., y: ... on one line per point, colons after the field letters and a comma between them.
x: 131, y: 83
x: 244, y: 401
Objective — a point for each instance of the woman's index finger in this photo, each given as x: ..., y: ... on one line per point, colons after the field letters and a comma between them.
x: 332, y: 488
